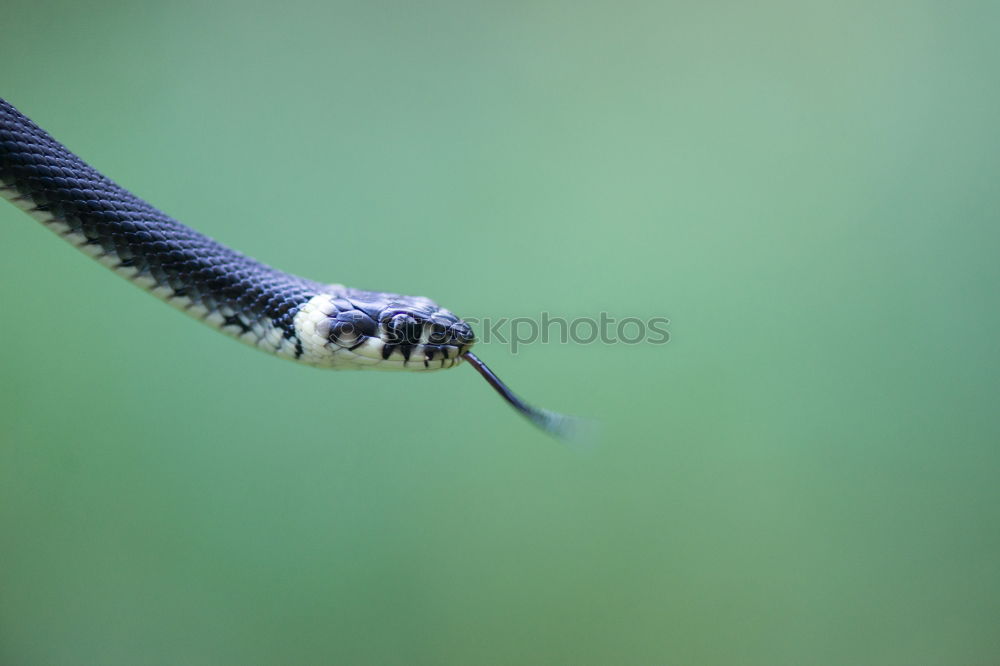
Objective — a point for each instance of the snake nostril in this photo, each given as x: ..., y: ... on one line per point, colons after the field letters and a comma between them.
x: 463, y: 333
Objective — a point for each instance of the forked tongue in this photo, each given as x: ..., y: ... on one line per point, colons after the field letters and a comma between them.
x: 568, y: 428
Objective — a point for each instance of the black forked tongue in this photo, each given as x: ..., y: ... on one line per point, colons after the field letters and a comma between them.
x: 559, y: 425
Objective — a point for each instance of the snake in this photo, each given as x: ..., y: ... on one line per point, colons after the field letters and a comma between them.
x: 314, y: 323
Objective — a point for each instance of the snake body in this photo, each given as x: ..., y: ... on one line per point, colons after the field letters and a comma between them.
x: 324, y: 325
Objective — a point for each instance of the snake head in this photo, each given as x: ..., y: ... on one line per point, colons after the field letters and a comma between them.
x: 352, y: 328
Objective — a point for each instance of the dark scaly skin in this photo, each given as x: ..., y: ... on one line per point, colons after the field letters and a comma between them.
x: 187, y: 267
x: 175, y: 256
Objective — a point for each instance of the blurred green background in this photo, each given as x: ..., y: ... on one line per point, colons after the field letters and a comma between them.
x: 806, y: 474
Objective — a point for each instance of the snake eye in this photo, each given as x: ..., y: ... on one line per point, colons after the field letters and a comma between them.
x: 462, y: 333
x: 362, y: 323
x: 342, y: 331
x: 351, y: 325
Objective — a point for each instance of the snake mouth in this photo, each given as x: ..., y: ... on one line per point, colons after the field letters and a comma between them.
x: 402, y: 342
x: 429, y: 356
x: 374, y: 352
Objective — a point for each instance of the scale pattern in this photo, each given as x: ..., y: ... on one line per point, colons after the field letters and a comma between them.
x: 229, y: 290
x: 325, y: 325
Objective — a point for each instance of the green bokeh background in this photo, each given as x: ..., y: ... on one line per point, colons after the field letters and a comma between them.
x: 806, y: 474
